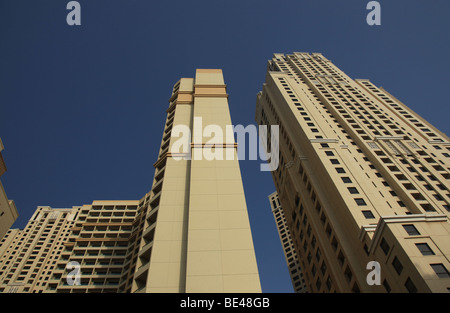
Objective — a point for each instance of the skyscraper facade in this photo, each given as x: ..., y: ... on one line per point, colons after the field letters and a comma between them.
x: 99, y: 254
x: 28, y: 257
x: 363, y: 180
x: 290, y: 254
x: 197, y: 223
x: 189, y: 233
x: 8, y: 210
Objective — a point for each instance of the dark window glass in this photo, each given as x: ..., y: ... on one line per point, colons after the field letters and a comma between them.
x: 424, y: 248
x: 411, y: 230
x: 440, y: 270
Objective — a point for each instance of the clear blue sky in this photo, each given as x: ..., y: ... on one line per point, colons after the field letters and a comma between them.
x: 82, y: 109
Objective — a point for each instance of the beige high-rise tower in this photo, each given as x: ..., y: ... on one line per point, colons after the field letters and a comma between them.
x: 290, y: 254
x: 8, y: 210
x: 197, y: 236
x: 28, y: 257
x: 190, y: 233
x: 363, y: 180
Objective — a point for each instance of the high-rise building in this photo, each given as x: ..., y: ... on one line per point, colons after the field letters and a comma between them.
x: 290, y: 254
x: 28, y: 257
x: 363, y: 180
x: 100, y: 248
x: 8, y: 210
x: 190, y: 233
x: 196, y: 235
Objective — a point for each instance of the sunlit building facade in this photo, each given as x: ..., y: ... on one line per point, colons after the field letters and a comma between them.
x: 290, y: 254
x: 362, y: 178
x: 189, y: 233
x: 8, y: 210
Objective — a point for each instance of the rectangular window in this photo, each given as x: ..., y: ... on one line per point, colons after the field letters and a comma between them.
x: 397, y: 265
x: 346, y: 180
x: 360, y: 202
x: 329, y: 283
x: 353, y: 190
x: 440, y: 270
x: 368, y: 214
x: 411, y: 230
x: 340, y: 170
x: 386, y: 286
x: 348, y: 273
x: 410, y: 286
x: 424, y: 248
x: 384, y: 246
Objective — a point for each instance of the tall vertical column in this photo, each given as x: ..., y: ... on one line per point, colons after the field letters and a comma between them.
x: 170, y: 197
x: 220, y: 253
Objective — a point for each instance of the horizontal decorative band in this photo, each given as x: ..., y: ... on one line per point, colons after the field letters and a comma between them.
x: 388, y: 138
x: 323, y: 140
x: 210, y: 86
x: 214, y: 145
x: 225, y: 95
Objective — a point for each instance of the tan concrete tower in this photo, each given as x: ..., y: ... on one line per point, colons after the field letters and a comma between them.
x: 190, y: 233
x: 8, y: 210
x: 197, y: 236
x: 362, y: 179
x: 290, y: 254
x: 28, y: 257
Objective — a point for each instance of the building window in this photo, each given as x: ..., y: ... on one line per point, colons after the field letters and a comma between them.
x: 410, y: 286
x: 340, y: 170
x: 346, y: 180
x: 411, y: 230
x: 318, y: 283
x: 397, y: 265
x: 360, y: 202
x: 353, y: 190
x: 341, y: 258
x: 368, y: 214
x: 424, y: 248
x: 384, y: 246
x: 348, y: 273
x: 386, y: 286
x: 334, y: 161
x: 440, y: 270
x: 355, y: 288
x: 323, y: 268
x: 329, y: 283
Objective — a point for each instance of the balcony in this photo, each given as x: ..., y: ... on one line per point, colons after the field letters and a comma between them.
x: 152, y: 215
x: 145, y: 250
x: 149, y: 233
x: 141, y: 273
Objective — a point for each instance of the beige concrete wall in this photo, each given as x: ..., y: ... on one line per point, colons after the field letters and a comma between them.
x: 220, y: 256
